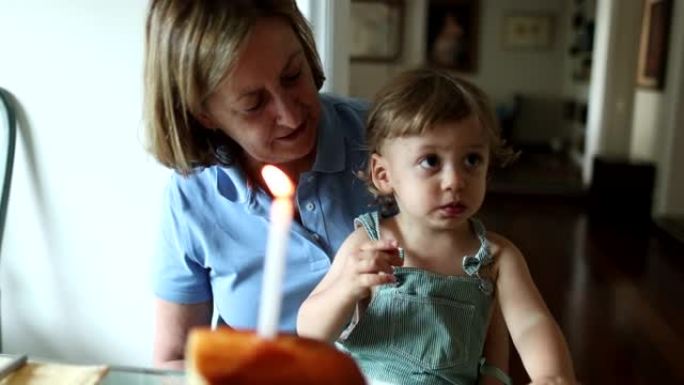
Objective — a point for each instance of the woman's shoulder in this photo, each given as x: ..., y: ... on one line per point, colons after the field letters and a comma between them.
x: 344, y: 112
x: 342, y: 104
x: 201, y: 188
x: 343, y: 121
x: 196, y: 181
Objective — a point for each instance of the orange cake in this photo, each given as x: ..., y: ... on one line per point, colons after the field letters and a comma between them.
x: 229, y: 357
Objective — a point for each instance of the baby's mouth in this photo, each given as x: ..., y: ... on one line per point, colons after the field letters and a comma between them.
x: 452, y: 209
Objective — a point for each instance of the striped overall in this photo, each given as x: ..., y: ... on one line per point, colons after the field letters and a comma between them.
x: 425, y: 328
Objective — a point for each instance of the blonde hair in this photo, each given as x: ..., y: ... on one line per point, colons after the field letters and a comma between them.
x: 190, y: 46
x: 417, y: 100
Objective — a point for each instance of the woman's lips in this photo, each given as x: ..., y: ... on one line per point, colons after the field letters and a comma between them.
x: 296, y: 133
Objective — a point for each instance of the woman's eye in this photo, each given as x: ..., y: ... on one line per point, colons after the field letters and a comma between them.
x: 252, y: 105
x: 473, y: 160
x: 292, y: 77
x: 429, y: 162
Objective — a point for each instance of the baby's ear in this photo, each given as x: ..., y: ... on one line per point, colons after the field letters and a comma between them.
x: 380, y: 174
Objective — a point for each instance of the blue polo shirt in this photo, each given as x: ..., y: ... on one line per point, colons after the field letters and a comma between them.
x: 215, y: 225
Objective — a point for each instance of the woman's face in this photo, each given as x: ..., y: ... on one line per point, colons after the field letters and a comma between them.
x: 268, y: 103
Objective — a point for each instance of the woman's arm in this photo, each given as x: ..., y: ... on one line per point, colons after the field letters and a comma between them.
x: 536, y: 335
x: 172, y: 324
x: 358, y: 265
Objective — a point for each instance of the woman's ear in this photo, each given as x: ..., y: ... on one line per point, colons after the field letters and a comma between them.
x: 206, y: 121
x: 380, y: 174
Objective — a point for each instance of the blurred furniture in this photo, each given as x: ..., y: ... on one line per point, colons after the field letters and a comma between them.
x: 8, y: 129
x: 672, y: 226
x: 538, y: 123
x: 621, y: 191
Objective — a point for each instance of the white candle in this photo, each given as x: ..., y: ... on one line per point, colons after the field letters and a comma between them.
x: 274, y: 264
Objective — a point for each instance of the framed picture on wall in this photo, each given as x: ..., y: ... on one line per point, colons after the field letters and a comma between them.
x: 655, y: 31
x: 377, y: 30
x: 527, y: 31
x: 452, y: 34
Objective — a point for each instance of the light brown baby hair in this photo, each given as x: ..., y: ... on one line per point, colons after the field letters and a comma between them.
x: 420, y: 99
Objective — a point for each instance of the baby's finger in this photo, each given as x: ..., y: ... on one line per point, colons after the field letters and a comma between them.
x: 371, y: 280
x: 390, y: 256
x: 385, y: 249
x: 380, y: 245
x: 373, y: 262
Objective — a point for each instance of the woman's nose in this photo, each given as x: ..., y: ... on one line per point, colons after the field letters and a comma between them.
x: 287, y: 109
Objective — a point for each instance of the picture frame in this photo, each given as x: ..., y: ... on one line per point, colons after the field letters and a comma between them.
x: 653, y: 45
x: 377, y: 28
x: 527, y: 31
x: 453, y: 34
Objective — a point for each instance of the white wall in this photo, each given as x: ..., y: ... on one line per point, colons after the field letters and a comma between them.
x: 504, y: 72
x: 670, y: 184
x: 500, y: 72
x: 647, y: 117
x: 330, y: 20
x: 85, y: 200
x: 611, y: 94
x: 658, y: 121
x: 365, y: 79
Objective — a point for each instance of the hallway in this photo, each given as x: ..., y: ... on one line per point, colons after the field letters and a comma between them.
x: 615, y: 291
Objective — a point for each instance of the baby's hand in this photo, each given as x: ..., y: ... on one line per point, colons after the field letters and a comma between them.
x: 372, y: 265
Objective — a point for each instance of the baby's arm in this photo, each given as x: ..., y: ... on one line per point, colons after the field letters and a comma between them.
x: 536, y: 335
x: 358, y: 265
x: 496, y: 349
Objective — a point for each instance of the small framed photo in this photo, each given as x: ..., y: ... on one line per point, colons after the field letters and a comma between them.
x: 527, y: 31
x: 653, y: 46
x: 377, y: 30
x: 453, y: 34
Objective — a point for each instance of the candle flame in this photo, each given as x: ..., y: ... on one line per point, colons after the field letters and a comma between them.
x: 277, y: 181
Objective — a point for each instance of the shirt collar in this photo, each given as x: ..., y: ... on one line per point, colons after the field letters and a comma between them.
x: 231, y: 183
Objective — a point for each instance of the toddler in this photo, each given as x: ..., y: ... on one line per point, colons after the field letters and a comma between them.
x: 410, y: 292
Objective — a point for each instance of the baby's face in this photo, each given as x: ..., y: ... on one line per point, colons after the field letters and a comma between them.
x: 438, y: 178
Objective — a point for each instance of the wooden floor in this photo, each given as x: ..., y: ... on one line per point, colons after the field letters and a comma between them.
x: 538, y: 173
x: 615, y: 290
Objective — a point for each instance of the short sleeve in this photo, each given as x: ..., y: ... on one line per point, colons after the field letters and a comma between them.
x: 178, y: 270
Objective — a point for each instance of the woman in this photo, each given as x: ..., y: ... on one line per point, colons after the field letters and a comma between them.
x: 229, y: 87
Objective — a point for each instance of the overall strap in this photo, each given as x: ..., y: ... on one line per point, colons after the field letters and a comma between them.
x: 371, y: 223
x: 472, y: 264
x: 492, y: 371
x: 482, y: 258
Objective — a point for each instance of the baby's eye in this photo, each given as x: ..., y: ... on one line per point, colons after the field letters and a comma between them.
x: 473, y: 160
x: 429, y: 162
